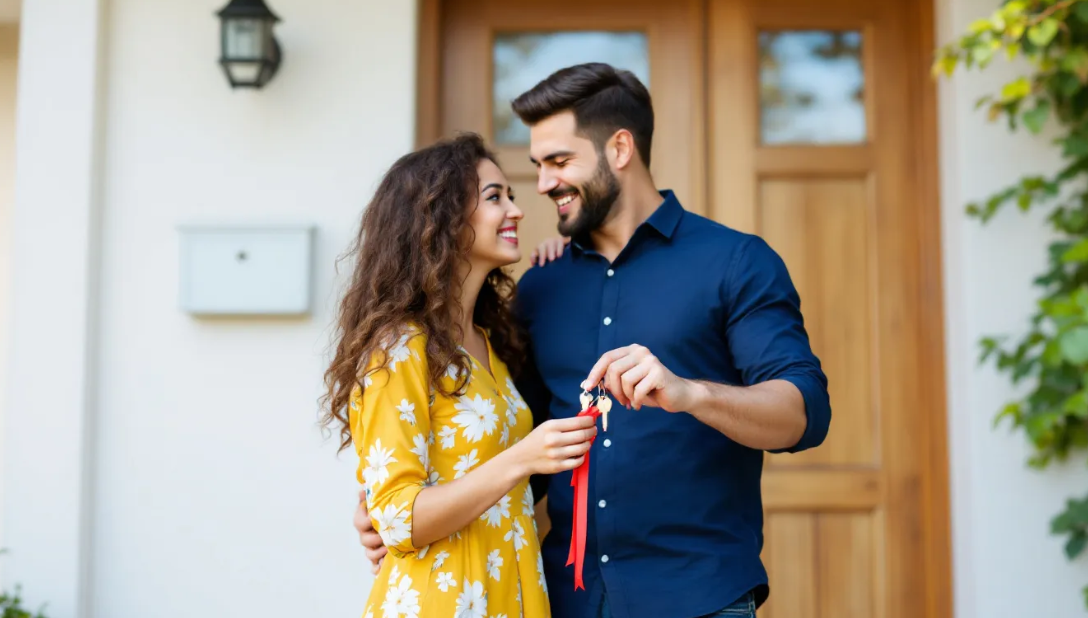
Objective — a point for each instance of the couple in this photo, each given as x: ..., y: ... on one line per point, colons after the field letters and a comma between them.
x: 462, y: 401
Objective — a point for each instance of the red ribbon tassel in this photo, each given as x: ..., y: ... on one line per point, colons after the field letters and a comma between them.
x: 579, y: 480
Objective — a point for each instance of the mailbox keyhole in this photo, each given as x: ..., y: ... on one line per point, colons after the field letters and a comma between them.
x: 242, y: 256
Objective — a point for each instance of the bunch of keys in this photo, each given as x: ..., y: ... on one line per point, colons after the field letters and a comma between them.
x: 604, y: 404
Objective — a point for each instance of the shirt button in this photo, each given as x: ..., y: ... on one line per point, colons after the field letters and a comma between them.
x: 607, y: 442
x: 607, y: 321
x: 611, y: 272
x: 602, y: 504
x: 604, y: 558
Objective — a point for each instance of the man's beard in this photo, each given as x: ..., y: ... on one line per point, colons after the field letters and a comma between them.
x: 598, y: 197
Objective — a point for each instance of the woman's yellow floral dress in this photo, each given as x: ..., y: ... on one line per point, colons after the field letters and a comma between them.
x: 408, y: 438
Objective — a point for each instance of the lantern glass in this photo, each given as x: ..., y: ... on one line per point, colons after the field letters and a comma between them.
x: 245, y: 39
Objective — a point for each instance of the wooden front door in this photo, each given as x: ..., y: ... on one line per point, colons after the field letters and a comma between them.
x: 808, y: 123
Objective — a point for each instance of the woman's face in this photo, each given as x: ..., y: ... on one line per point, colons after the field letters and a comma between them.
x: 494, y: 220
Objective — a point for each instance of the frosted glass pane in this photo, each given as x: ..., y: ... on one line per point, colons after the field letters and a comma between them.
x: 811, y: 87
x: 521, y: 60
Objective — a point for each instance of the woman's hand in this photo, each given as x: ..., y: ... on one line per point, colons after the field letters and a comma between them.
x: 556, y: 445
x: 549, y: 250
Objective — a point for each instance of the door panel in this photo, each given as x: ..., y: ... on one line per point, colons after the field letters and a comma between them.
x: 806, y: 133
x: 811, y: 151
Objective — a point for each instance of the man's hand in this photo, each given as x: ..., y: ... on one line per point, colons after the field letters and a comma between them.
x: 635, y: 377
x: 549, y: 250
x: 368, y: 537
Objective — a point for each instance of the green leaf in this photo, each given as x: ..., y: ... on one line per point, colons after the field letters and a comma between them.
x: 1010, y: 411
x: 1074, y: 345
x: 1077, y: 405
x: 1075, y: 545
x: 1043, y: 33
x: 1075, y: 146
x: 1066, y: 84
x: 1076, y: 253
x: 1052, y: 354
x: 1036, y: 118
x: 1014, y: 6
x: 982, y: 55
x: 1075, y: 61
x: 1017, y: 89
x: 981, y: 25
x: 1080, y: 10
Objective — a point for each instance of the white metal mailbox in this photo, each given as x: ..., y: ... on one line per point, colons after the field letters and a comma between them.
x: 255, y: 271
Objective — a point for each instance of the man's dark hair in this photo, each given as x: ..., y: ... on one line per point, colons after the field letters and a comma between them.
x: 603, y: 99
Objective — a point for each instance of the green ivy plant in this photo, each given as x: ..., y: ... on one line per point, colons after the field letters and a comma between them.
x: 1048, y: 363
x: 12, y: 606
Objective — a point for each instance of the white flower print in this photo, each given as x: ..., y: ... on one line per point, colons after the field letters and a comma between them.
x: 493, y: 516
x: 511, y: 411
x: 423, y: 552
x: 401, y: 600
x: 505, y: 436
x: 517, y: 533
x: 471, y: 603
x: 465, y: 463
x: 377, y: 470
x: 453, y: 372
x: 527, y: 504
x: 421, y: 450
x: 494, y: 561
x: 407, y: 411
x: 400, y: 352
x: 430, y: 438
x: 439, y: 560
x: 433, y: 477
x: 447, y: 434
x: 369, y: 612
x: 519, y: 402
x: 477, y: 417
x: 393, y: 524
x: 445, y: 580
x: 540, y: 573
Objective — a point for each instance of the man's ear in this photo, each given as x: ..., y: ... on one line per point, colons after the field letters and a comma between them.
x: 621, y: 149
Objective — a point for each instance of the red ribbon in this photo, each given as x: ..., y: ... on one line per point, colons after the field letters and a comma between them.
x: 579, y: 480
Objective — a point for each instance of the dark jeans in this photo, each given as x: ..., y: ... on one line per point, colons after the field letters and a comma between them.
x: 744, y: 607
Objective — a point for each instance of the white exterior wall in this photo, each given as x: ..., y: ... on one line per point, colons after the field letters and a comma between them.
x: 210, y: 489
x: 214, y: 487
x: 1006, y: 562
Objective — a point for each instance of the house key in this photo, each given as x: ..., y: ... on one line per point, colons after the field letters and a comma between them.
x: 604, y: 404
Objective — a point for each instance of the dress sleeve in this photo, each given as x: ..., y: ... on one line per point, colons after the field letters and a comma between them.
x: 391, y: 427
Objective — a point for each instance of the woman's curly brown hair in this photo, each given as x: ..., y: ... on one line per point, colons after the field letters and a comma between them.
x: 411, y: 241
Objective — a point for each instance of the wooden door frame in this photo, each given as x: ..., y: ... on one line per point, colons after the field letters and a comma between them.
x: 935, y: 532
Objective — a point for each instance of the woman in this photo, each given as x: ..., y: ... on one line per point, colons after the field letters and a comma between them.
x: 421, y: 386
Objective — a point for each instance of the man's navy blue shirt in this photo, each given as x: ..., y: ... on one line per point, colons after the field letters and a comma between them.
x: 675, y: 524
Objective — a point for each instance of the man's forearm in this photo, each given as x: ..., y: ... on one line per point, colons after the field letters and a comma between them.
x: 766, y: 416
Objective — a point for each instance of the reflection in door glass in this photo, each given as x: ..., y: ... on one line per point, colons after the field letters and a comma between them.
x: 811, y: 87
x: 520, y: 60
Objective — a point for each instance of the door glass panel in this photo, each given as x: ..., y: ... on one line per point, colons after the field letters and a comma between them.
x: 520, y: 60
x: 811, y: 87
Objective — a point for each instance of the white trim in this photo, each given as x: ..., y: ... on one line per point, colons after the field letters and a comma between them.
x: 50, y: 407
x: 957, y: 344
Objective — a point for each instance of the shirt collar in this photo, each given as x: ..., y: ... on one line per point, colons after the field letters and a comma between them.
x: 664, y: 220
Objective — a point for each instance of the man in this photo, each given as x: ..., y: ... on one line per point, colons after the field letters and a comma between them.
x: 694, y: 328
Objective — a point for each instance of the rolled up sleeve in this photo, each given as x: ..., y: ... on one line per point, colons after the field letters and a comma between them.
x: 766, y: 334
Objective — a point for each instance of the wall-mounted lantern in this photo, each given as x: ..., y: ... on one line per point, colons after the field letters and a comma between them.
x: 249, y: 52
